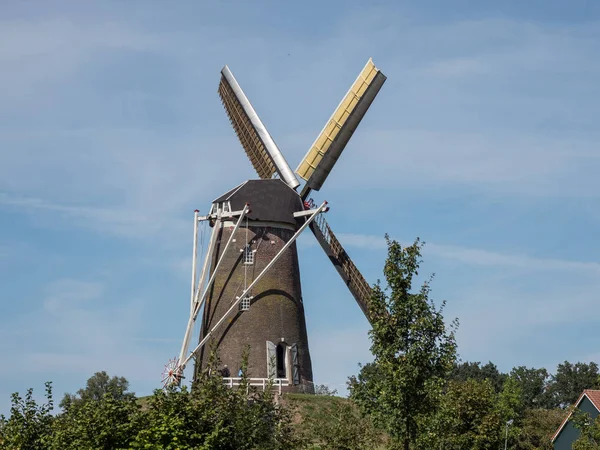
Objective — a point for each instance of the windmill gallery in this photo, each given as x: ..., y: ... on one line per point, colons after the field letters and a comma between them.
x: 248, y: 291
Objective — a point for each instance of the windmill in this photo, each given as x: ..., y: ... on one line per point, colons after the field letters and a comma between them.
x: 249, y: 286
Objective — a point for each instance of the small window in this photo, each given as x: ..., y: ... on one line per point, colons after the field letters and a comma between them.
x: 226, y: 207
x: 248, y: 255
x: 245, y: 303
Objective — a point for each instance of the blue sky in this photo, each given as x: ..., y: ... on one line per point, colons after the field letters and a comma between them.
x: 483, y: 142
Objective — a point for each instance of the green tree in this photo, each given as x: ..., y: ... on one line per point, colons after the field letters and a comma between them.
x: 29, y: 424
x: 214, y: 416
x: 570, y: 381
x: 110, y: 422
x: 340, y: 426
x: 474, y: 370
x: 366, y: 386
x: 533, y: 384
x: 537, y: 427
x: 97, y: 386
x: 101, y: 415
x: 413, y: 349
x: 323, y: 389
x: 464, y: 418
x: 471, y: 415
x: 589, y: 439
x: 211, y: 416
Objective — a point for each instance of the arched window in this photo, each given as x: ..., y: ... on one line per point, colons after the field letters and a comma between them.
x: 281, y: 369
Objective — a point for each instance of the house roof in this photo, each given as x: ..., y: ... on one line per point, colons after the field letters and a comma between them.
x: 592, y: 395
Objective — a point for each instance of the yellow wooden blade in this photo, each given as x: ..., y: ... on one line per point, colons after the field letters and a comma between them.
x: 332, y: 140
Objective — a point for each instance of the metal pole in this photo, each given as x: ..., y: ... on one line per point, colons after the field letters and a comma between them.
x: 194, y: 260
x: 256, y: 280
x: 207, y: 259
x: 198, y: 303
x: 245, y: 211
x: 190, y: 326
x: 208, y: 256
x: 510, y: 422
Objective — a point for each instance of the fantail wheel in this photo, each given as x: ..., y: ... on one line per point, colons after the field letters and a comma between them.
x: 172, y: 373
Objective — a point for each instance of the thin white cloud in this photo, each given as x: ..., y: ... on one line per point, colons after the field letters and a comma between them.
x: 467, y: 103
x: 497, y: 163
x: 75, y: 332
x: 529, y: 328
x: 117, y: 221
x: 479, y: 257
x: 488, y: 258
x: 40, y: 54
x: 336, y: 353
x: 134, y: 168
x: 64, y: 295
x: 457, y: 67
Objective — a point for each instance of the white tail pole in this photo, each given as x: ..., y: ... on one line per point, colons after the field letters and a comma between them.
x: 245, y: 211
x: 198, y: 304
x: 190, y: 326
x: 256, y: 280
x: 208, y: 258
x: 194, y: 261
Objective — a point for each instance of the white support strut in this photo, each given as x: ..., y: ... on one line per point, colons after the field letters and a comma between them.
x: 208, y: 258
x: 194, y: 261
x: 307, y: 212
x: 199, y: 301
x: 183, y: 363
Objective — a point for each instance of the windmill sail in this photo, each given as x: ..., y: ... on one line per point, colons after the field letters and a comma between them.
x: 358, y: 286
x: 262, y: 151
x: 328, y: 146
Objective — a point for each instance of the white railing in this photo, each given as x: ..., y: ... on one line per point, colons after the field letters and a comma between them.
x: 260, y: 382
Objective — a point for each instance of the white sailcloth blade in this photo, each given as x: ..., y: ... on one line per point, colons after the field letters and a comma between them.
x: 262, y: 151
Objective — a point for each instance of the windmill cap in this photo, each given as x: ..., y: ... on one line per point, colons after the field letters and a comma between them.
x: 272, y: 200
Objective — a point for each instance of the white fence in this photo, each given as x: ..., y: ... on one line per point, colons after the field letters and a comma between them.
x: 278, y: 383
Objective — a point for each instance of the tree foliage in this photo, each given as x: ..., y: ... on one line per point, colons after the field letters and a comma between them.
x: 570, y: 380
x: 29, y: 424
x: 472, y: 415
x: 414, y: 395
x: 475, y: 371
x: 96, y: 387
x: 537, y: 428
x: 533, y: 383
x: 109, y: 422
x: 211, y: 416
x: 589, y: 438
x: 412, y: 346
x: 339, y: 425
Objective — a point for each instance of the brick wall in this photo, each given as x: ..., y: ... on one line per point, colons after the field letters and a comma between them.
x: 276, y: 311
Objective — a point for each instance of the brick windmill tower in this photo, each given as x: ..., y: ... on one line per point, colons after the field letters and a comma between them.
x: 249, y: 291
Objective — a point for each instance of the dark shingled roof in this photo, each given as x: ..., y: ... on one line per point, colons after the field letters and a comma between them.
x: 270, y: 200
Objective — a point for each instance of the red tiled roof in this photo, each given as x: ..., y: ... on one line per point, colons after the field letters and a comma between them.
x: 593, y: 396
